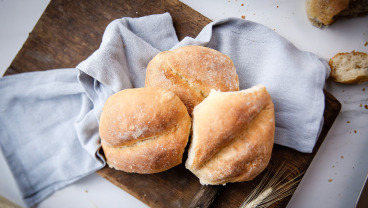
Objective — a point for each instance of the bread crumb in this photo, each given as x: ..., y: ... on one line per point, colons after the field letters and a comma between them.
x: 360, y: 105
x: 342, y: 156
x: 363, y: 89
x: 243, y: 17
x: 355, y: 131
x: 348, y: 122
x: 86, y: 191
x: 330, y: 180
x: 366, y: 106
x: 242, y: 4
x: 277, y: 6
x: 366, y: 43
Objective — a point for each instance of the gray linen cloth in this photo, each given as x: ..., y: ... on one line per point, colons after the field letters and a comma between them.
x: 49, y: 120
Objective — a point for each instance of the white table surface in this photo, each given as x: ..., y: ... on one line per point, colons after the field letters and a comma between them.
x: 336, y: 175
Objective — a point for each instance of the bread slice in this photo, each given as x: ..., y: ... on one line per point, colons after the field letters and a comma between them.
x: 349, y: 68
x: 324, y: 12
x: 233, y: 135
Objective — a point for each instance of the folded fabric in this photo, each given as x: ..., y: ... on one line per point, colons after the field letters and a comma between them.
x: 49, y: 120
x: 37, y: 133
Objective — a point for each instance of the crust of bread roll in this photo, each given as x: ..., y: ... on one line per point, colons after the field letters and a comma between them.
x: 144, y: 130
x: 233, y: 135
x: 349, y: 68
x: 322, y: 12
x: 191, y: 72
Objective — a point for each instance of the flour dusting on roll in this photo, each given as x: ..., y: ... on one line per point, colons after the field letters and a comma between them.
x: 233, y: 135
x: 144, y: 130
x: 191, y: 72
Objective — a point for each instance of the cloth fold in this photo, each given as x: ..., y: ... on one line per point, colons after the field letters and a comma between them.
x: 37, y: 133
x: 49, y: 120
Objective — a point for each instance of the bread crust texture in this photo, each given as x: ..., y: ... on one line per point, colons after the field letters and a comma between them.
x: 144, y: 130
x: 322, y: 12
x: 233, y: 136
x: 191, y: 72
x: 325, y: 12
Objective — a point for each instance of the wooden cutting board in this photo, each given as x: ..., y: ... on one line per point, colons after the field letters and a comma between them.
x: 69, y: 31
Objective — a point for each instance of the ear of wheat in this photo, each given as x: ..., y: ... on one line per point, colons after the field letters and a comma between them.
x: 271, y: 189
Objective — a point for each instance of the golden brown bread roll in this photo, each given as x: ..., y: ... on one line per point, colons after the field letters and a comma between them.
x: 144, y: 130
x: 191, y: 72
x: 233, y: 135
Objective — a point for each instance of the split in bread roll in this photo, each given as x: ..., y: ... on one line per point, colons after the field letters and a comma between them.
x: 233, y: 135
x: 144, y: 130
x: 349, y: 68
x: 191, y: 72
x: 324, y: 12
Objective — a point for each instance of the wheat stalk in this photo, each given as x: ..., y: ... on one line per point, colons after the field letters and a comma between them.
x: 271, y: 189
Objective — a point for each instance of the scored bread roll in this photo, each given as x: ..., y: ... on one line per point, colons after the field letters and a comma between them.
x: 144, y: 130
x: 191, y: 72
x: 349, y: 68
x: 233, y: 135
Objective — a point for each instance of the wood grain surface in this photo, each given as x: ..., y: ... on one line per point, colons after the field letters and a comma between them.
x: 69, y: 31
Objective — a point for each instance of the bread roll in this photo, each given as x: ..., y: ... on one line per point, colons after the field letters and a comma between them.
x: 324, y: 12
x: 233, y: 135
x: 191, y: 72
x: 144, y: 130
x: 349, y: 68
